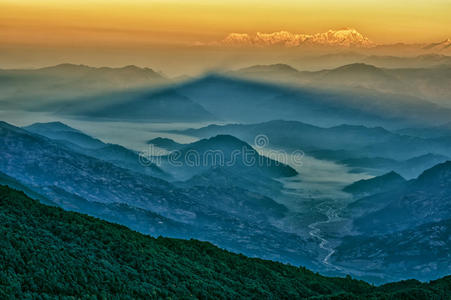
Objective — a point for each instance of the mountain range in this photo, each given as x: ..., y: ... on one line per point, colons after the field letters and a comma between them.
x: 396, y: 227
x: 235, y: 99
x: 334, y: 38
x: 346, y: 37
x: 46, y: 243
x: 387, y: 129
x: 430, y: 83
x: 79, y: 142
x: 421, y: 250
x: 370, y: 149
x: 36, y: 88
x: 227, y: 216
x: 376, y: 185
x: 233, y: 207
x: 403, y: 228
x: 323, y: 61
x: 419, y: 201
x: 139, y: 105
x: 223, y: 151
x: 392, y: 97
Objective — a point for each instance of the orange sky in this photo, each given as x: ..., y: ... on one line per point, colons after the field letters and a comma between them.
x: 139, y: 22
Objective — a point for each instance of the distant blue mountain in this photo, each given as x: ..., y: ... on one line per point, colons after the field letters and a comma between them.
x: 241, y: 100
x: 60, y: 131
x: 421, y: 251
x: 82, y: 143
x: 47, y: 89
x: 339, y: 143
x: 404, y: 229
x: 165, y: 143
x: 223, y: 151
x: 422, y: 200
x: 443, y: 130
x: 376, y: 185
x: 409, y: 168
x: 233, y: 218
x: 139, y: 105
x: 431, y: 83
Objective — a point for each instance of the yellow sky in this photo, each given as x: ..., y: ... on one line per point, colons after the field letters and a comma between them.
x: 137, y: 22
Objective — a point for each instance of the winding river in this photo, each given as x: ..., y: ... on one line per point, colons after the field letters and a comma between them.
x: 318, y: 188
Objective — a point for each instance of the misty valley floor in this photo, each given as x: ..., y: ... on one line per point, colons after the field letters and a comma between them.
x: 317, y: 189
x: 315, y: 197
x: 346, y: 180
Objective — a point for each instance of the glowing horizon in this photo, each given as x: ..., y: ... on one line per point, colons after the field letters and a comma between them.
x: 138, y: 22
x: 161, y: 34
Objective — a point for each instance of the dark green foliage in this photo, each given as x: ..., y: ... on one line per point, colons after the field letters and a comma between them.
x: 46, y: 252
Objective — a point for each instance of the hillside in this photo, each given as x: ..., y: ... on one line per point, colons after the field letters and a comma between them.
x: 407, y: 76
x: 165, y: 143
x: 61, y: 132
x: 139, y: 104
x: 51, y: 253
x: 225, y: 216
x: 422, y: 200
x: 82, y: 143
x: 421, y: 251
x: 379, y: 184
x: 226, y: 151
x: 358, y: 141
x: 48, y: 88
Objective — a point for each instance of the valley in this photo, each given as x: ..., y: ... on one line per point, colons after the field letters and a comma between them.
x: 296, y: 188
x: 317, y: 185
x: 225, y: 150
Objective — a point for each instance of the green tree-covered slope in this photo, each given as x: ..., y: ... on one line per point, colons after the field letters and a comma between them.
x: 46, y: 252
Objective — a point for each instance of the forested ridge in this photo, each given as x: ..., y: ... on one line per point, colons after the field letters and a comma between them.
x: 47, y: 252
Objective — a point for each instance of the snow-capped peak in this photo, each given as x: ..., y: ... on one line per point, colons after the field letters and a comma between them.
x: 347, y: 37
